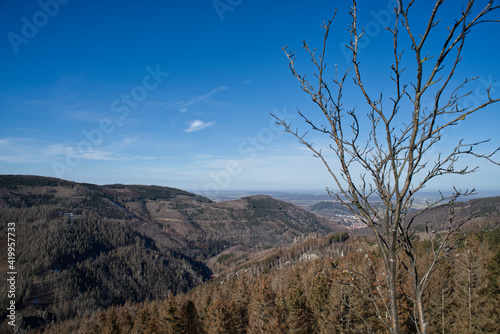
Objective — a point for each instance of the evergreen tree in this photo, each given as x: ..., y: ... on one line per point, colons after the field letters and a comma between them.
x: 110, y: 325
x: 441, y: 299
x: 125, y: 319
x: 141, y: 321
x: 261, y: 309
x: 298, y: 310
x: 237, y: 319
x: 190, y: 317
x: 237, y: 310
x: 153, y: 325
x: 218, y: 320
x: 319, y: 299
x: 174, y: 320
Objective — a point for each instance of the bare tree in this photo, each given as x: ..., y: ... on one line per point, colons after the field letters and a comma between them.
x: 397, y: 158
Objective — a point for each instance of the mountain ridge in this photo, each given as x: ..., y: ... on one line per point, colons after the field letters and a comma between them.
x: 108, y: 244
x: 84, y: 247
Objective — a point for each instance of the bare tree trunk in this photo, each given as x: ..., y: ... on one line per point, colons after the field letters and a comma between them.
x: 422, y: 323
x: 393, y: 296
x: 469, y: 293
x: 397, y: 159
x: 442, y: 311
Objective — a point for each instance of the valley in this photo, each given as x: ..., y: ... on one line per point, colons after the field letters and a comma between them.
x: 84, y: 248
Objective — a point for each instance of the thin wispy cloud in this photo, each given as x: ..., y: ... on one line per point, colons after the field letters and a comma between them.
x: 36, y: 102
x: 20, y: 150
x: 198, y: 125
x: 31, y: 150
x: 110, y: 152
x: 84, y: 115
x: 184, y: 105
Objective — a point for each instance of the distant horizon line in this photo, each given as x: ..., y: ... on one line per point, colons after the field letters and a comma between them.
x: 283, y: 191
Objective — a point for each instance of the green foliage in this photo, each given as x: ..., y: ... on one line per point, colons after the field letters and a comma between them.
x: 16, y: 181
x: 19, y: 201
x: 299, y: 312
x: 320, y: 294
x: 174, y: 319
x: 338, y: 237
x: 328, y: 205
x: 224, y: 258
x: 140, y: 192
x: 493, y: 237
x: 192, y: 322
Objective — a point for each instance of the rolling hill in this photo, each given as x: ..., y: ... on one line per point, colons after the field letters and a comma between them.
x: 83, y: 247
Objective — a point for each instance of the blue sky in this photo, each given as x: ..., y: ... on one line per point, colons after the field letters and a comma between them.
x: 179, y: 93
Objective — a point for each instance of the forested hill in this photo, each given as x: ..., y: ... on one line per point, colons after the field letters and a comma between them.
x: 306, y: 288
x: 84, y: 247
x: 478, y: 213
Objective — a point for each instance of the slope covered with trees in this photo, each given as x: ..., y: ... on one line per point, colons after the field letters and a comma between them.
x: 83, y: 247
x: 78, y: 251
x: 338, y: 291
x: 264, y: 263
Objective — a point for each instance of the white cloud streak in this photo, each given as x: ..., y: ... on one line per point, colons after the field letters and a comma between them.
x: 183, y: 105
x: 20, y: 150
x: 198, y: 125
x: 31, y: 150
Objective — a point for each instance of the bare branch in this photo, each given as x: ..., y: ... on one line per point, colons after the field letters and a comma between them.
x: 396, y: 161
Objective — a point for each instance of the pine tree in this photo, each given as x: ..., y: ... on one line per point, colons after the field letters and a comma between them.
x: 237, y: 319
x: 320, y: 293
x: 319, y: 299
x: 190, y: 317
x: 141, y: 320
x: 441, y: 299
x: 125, y: 320
x: 493, y: 288
x: 153, y: 325
x: 298, y: 310
x: 260, y: 309
x: 485, y: 313
x: 237, y: 311
x: 405, y: 309
x: 476, y: 306
x: 174, y: 320
x: 99, y: 321
x: 110, y: 325
x: 218, y: 321
x: 341, y: 315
